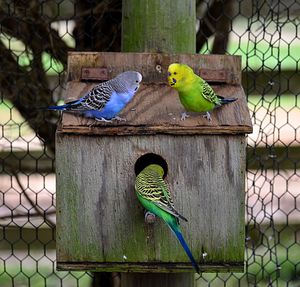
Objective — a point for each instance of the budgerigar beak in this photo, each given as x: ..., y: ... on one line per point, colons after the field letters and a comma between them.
x: 140, y: 77
x: 171, y: 81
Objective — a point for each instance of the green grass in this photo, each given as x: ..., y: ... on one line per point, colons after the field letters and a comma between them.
x: 256, y: 56
x: 262, y: 263
x: 44, y: 277
x: 285, y: 101
x: 280, y: 53
x: 13, y: 123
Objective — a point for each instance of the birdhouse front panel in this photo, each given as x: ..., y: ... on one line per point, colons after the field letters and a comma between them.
x: 100, y: 222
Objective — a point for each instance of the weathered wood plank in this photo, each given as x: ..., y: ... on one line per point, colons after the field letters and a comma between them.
x: 156, y: 109
x: 101, y: 221
x: 149, y: 267
x: 152, y: 66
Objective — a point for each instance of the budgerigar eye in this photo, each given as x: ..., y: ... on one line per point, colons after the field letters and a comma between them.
x: 175, y: 73
x: 136, y: 81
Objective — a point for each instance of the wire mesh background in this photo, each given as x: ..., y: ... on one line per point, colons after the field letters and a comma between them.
x: 35, y: 37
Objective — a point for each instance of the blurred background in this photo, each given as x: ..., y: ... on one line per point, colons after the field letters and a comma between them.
x: 35, y: 37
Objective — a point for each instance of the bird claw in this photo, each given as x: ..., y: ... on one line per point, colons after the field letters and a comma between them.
x: 103, y: 120
x: 92, y: 124
x: 119, y: 119
x: 150, y: 217
x: 207, y: 116
x: 184, y: 116
x: 109, y: 121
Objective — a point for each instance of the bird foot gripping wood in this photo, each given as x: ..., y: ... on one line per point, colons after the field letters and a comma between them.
x: 103, y: 120
x: 98, y: 120
x: 107, y: 121
x: 184, y: 116
x: 119, y: 119
x: 150, y: 218
x: 207, y: 116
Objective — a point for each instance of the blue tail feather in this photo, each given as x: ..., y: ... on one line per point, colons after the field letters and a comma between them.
x: 187, y: 250
x: 226, y: 100
x: 58, y: 108
x: 67, y: 106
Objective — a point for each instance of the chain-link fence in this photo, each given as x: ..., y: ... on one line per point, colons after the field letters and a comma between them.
x: 35, y: 37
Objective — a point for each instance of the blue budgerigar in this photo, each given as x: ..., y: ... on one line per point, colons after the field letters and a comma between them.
x: 106, y: 100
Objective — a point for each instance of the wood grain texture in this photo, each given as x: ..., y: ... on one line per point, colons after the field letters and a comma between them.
x: 158, y: 26
x: 156, y: 107
x: 151, y: 26
x: 100, y: 221
x: 149, y: 267
x: 153, y: 66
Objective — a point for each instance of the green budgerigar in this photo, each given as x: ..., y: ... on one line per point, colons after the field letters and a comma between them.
x: 195, y: 94
x: 153, y: 192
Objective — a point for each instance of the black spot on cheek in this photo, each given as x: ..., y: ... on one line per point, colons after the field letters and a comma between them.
x: 174, y: 80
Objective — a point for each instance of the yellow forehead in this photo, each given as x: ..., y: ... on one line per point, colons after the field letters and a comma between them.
x: 173, y: 67
x: 176, y: 67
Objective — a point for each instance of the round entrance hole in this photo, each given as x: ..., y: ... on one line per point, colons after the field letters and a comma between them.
x: 150, y: 158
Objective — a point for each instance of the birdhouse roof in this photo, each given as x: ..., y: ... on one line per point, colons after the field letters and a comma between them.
x: 155, y: 108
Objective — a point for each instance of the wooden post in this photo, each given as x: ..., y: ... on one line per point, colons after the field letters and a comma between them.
x: 161, y: 26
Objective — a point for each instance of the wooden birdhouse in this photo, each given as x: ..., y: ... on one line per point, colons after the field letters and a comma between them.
x: 100, y: 222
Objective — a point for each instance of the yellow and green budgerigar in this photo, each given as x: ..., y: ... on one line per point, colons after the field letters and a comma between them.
x: 153, y: 193
x: 195, y: 94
